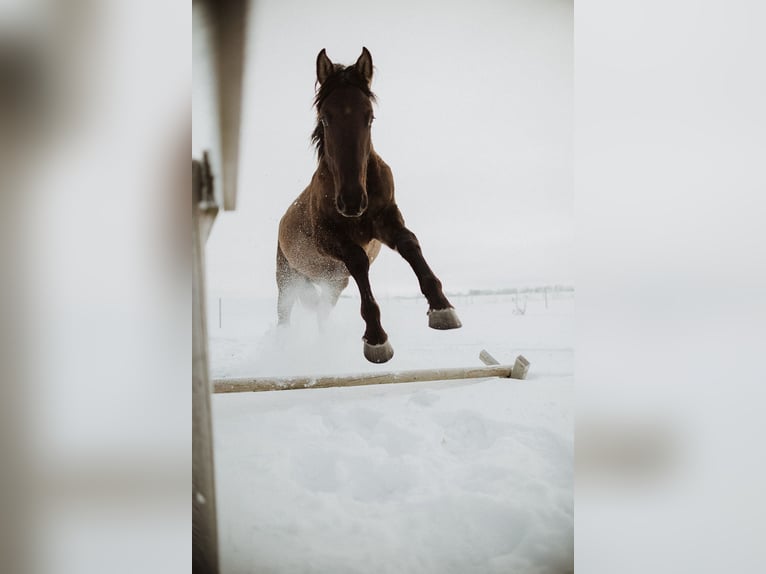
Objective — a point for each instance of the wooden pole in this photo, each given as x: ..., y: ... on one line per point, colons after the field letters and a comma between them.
x: 257, y: 384
x: 204, y: 523
x: 218, y: 38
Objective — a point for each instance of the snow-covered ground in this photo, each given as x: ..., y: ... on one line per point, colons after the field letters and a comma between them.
x: 463, y: 476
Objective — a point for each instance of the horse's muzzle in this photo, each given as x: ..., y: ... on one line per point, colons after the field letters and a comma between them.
x: 354, y: 205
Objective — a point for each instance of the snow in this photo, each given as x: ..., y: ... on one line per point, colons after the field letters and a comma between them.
x: 461, y: 476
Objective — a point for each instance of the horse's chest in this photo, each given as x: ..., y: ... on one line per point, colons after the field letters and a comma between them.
x: 361, y: 233
x: 310, y: 250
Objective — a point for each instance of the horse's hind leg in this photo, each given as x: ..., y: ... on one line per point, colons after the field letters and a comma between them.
x: 286, y: 283
x: 293, y: 286
x: 331, y: 291
x: 307, y: 292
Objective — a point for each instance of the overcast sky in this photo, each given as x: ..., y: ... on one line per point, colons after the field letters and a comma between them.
x: 474, y: 117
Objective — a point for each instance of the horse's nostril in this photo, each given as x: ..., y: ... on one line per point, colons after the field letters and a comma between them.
x: 363, y: 207
x: 340, y: 204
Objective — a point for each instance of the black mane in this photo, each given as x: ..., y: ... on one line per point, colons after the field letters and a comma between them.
x: 341, y: 76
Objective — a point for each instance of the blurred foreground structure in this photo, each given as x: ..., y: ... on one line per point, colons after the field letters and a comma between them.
x: 218, y: 55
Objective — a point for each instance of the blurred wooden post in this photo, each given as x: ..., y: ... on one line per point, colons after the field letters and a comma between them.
x: 218, y: 37
x: 204, y: 523
x: 218, y: 57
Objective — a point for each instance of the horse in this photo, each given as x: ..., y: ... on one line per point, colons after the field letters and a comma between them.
x: 335, y: 228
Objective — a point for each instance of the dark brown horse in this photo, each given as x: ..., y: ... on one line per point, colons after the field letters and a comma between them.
x: 336, y: 226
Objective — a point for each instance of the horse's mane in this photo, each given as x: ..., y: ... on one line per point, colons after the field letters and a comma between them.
x: 341, y: 76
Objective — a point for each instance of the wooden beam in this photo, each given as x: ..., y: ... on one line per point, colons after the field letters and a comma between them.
x: 256, y: 384
x: 231, y: 18
x: 219, y: 37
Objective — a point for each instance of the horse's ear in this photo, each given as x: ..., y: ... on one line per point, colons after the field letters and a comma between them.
x: 325, y: 66
x: 364, y: 65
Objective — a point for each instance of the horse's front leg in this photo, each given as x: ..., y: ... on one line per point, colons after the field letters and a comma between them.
x: 377, y: 349
x: 441, y: 314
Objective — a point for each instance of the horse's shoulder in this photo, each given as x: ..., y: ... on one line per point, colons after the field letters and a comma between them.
x: 384, y: 179
x: 383, y: 168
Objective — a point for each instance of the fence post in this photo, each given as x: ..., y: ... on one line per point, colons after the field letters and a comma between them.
x: 204, y: 521
x: 218, y: 38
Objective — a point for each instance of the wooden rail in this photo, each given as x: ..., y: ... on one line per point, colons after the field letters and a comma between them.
x: 257, y: 384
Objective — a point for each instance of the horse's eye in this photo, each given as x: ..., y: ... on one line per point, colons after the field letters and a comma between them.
x: 324, y: 121
x: 369, y: 122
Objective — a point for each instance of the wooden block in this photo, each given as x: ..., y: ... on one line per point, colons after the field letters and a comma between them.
x: 520, y: 368
x: 488, y: 359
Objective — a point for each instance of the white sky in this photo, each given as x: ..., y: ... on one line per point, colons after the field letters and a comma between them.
x: 475, y: 113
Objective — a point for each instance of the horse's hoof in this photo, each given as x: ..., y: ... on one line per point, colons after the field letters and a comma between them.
x: 443, y: 319
x: 378, y: 353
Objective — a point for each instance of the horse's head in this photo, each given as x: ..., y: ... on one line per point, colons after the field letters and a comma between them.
x: 342, y: 135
